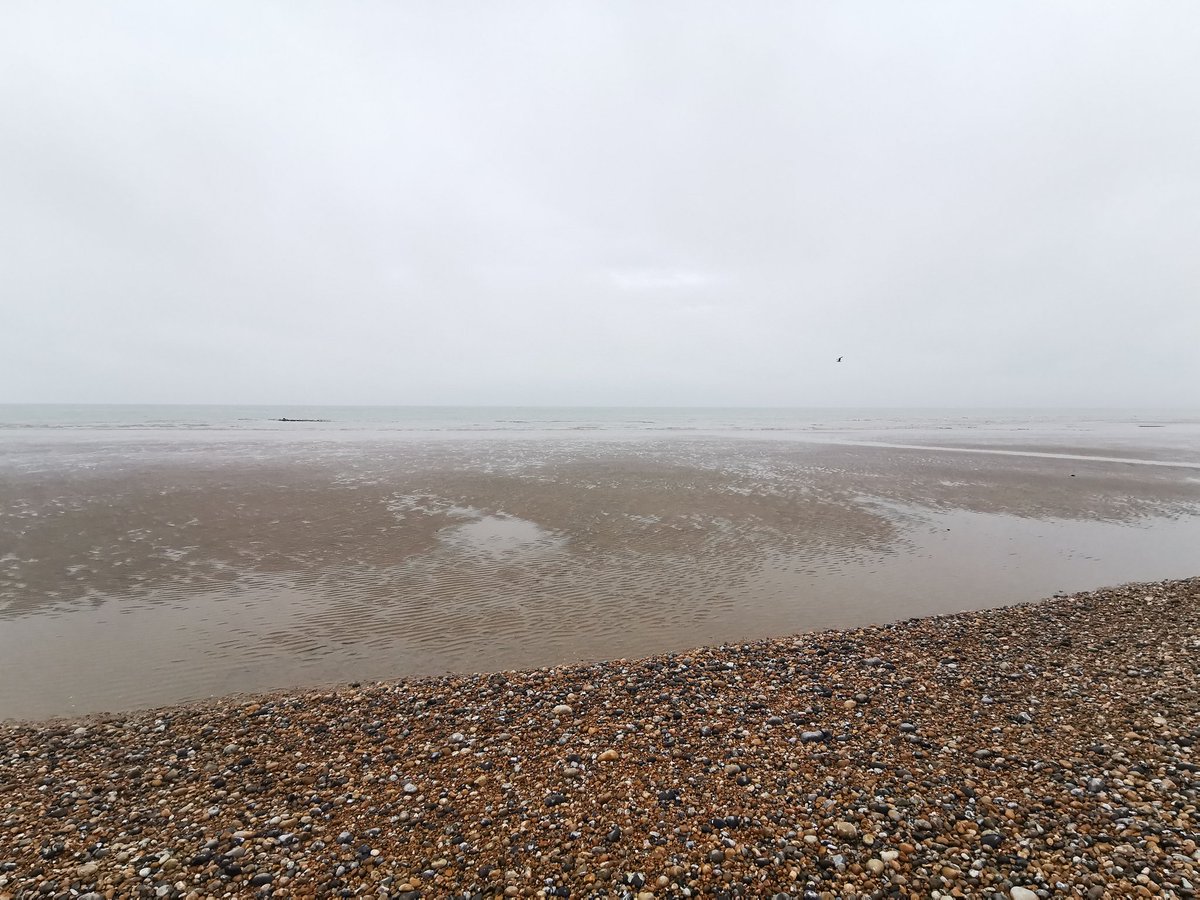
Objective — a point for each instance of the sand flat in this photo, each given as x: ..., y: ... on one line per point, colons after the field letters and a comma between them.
x: 140, y: 574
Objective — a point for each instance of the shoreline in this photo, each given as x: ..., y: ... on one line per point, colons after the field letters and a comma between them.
x: 1045, y: 746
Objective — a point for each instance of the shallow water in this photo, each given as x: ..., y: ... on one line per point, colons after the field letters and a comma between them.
x: 137, y: 572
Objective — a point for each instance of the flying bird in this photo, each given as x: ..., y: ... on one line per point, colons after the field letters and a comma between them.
x: 839, y: 359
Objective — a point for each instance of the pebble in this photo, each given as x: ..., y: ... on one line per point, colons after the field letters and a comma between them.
x: 845, y: 830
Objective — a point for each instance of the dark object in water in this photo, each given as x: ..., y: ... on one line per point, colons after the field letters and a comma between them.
x: 285, y: 419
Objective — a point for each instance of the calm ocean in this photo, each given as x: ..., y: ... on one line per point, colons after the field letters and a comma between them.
x: 500, y: 419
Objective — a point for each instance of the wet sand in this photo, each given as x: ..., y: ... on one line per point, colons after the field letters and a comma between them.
x: 133, y: 575
x: 1038, y: 751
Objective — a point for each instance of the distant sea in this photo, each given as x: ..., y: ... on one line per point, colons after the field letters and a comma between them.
x: 504, y: 419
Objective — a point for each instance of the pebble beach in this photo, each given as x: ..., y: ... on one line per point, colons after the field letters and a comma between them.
x: 1038, y: 750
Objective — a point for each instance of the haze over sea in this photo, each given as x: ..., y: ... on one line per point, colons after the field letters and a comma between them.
x: 150, y: 554
x: 1053, y: 425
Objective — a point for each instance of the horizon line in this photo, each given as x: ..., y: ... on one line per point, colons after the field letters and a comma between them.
x: 294, y: 404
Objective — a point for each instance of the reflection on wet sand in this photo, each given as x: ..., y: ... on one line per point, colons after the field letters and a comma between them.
x: 137, y: 579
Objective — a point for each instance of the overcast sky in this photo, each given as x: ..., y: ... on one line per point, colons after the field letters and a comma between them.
x: 600, y: 203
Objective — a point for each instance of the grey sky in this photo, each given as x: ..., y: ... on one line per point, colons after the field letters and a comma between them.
x: 616, y: 203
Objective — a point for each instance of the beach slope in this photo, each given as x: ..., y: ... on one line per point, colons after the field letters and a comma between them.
x: 1045, y: 748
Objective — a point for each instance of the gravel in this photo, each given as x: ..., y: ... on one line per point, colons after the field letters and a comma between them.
x: 733, y: 771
